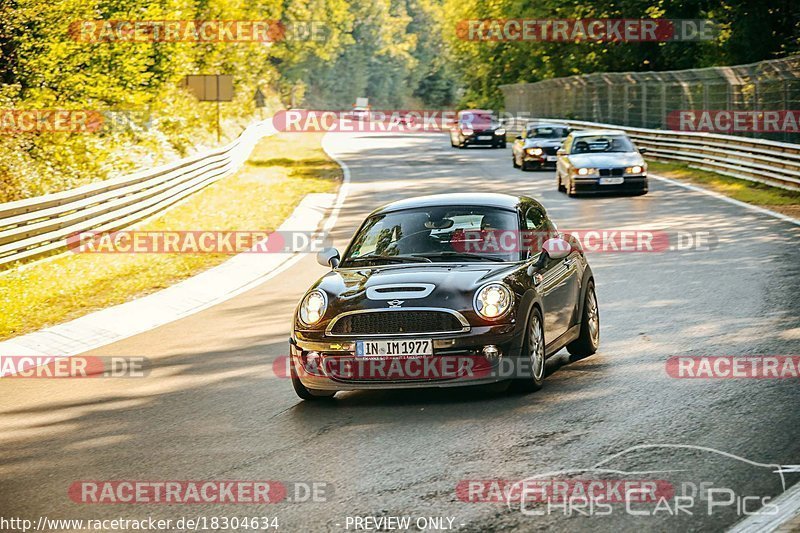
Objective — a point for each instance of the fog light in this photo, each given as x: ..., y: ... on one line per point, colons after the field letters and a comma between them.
x: 491, y: 352
x: 312, y: 361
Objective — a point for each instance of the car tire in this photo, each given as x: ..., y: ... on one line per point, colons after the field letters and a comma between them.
x: 570, y: 191
x: 589, y: 338
x: 533, y: 365
x: 307, y: 394
x: 514, y: 161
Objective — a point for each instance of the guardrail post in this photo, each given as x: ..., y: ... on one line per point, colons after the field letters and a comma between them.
x: 625, y: 106
x: 643, y: 121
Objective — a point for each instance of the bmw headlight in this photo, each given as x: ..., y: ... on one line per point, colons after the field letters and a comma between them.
x: 313, y: 307
x: 500, y: 131
x: 636, y: 169
x: 534, y: 151
x: 586, y: 171
x: 493, y: 300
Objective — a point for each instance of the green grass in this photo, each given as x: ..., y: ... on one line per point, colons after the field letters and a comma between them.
x: 743, y: 190
x: 280, y: 172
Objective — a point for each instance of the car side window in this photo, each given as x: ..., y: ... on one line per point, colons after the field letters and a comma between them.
x: 537, y: 229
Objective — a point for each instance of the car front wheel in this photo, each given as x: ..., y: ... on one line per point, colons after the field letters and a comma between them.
x: 309, y: 394
x: 532, y: 356
x: 589, y: 339
x: 570, y: 188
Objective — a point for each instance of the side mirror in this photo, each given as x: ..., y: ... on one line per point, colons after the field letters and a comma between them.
x: 328, y: 257
x: 642, y: 150
x: 518, y: 137
x: 557, y: 248
x: 561, y: 151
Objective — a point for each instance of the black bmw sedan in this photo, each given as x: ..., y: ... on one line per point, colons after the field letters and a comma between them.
x: 445, y: 290
x: 477, y: 127
x: 537, y: 149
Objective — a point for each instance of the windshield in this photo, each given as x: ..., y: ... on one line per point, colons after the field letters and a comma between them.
x: 602, y: 143
x: 547, y: 133
x: 477, y: 121
x: 431, y: 234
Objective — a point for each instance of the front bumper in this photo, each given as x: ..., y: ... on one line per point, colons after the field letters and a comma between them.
x: 445, y: 368
x: 591, y: 185
x: 538, y: 161
x: 475, y: 140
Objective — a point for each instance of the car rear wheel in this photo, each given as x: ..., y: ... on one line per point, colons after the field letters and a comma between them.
x: 309, y: 394
x: 589, y: 339
x: 532, y: 357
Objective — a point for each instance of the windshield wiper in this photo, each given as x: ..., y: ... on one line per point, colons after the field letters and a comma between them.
x: 389, y: 259
x: 462, y: 255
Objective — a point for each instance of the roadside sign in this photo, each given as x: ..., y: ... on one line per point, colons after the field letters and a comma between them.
x: 210, y: 87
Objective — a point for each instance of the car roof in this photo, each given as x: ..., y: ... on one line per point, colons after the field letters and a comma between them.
x: 505, y: 201
x: 530, y: 125
x: 476, y: 111
x: 587, y: 133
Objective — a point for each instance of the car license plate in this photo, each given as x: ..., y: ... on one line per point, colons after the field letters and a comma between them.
x: 611, y: 181
x: 484, y: 137
x: 394, y: 348
x: 551, y: 158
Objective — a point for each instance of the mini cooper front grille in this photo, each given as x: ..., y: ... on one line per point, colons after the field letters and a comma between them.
x: 550, y: 150
x: 397, y: 323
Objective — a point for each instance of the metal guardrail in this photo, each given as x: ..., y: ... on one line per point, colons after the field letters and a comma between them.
x: 769, y: 162
x: 37, y: 226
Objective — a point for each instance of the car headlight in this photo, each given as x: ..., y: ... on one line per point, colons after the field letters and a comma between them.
x: 493, y: 300
x: 586, y: 171
x: 534, y: 151
x: 636, y: 169
x: 466, y: 131
x: 500, y: 131
x: 313, y: 307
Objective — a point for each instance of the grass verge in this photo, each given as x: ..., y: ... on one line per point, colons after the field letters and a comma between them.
x: 279, y: 173
x: 774, y: 198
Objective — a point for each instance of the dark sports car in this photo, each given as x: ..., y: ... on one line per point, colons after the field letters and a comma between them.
x: 477, y: 127
x: 537, y: 149
x: 445, y: 290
